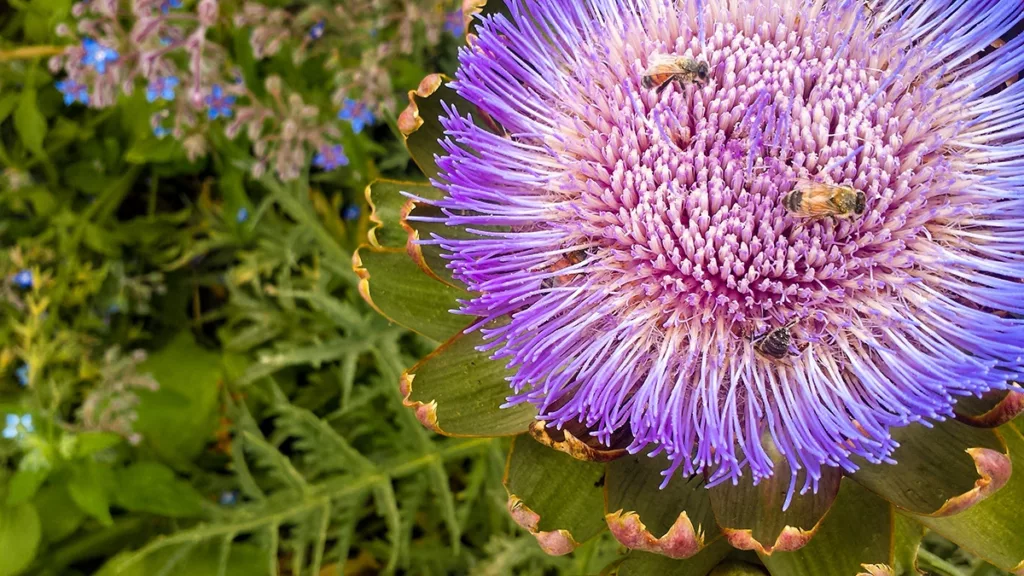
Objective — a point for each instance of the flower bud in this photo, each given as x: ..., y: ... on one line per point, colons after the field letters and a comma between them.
x: 289, y: 130
x: 273, y: 85
x: 208, y: 10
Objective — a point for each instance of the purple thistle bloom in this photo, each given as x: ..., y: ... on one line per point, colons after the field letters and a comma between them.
x: 97, y: 55
x: 161, y: 87
x: 219, y: 104
x: 316, y: 32
x: 73, y: 92
x: 357, y: 113
x: 453, y: 23
x: 633, y: 239
x: 330, y: 157
x: 23, y: 279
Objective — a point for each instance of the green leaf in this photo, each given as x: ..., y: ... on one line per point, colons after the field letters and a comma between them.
x: 553, y: 496
x: 856, y: 531
x: 25, y: 483
x: 59, y: 514
x: 906, y: 542
x: 29, y: 122
x: 90, y: 487
x: 937, y: 469
x: 395, y: 286
x: 752, y: 517
x: 645, y: 564
x: 177, y: 420
x: 458, y: 391
x: 89, y: 443
x: 155, y: 150
x: 992, y: 528
x: 676, y: 521
x: 7, y: 104
x: 191, y: 559
x: 154, y: 488
x: 387, y: 204
x: 19, y: 537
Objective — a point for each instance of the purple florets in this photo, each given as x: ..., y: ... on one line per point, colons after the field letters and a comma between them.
x: 73, y: 92
x: 98, y: 56
x: 357, y: 113
x: 23, y: 279
x: 453, y: 23
x: 219, y: 104
x: 636, y: 237
x: 161, y: 88
x: 21, y: 374
x: 330, y: 157
x: 316, y: 32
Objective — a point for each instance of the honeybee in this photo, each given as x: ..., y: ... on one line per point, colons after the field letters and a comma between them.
x: 665, y: 68
x: 810, y: 199
x: 775, y: 342
x: 568, y: 259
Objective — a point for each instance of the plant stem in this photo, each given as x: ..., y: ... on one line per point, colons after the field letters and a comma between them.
x: 29, y: 52
x: 932, y: 563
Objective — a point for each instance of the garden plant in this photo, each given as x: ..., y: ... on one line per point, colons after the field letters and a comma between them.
x: 632, y: 287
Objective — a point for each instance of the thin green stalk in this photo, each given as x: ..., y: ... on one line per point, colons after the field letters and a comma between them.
x: 932, y: 563
x: 88, y: 545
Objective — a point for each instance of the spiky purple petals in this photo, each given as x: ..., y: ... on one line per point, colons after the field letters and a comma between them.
x: 646, y: 239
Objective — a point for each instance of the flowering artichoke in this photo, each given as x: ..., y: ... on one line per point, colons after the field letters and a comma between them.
x: 747, y: 272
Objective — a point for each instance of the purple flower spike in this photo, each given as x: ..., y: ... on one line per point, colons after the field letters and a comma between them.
x: 330, y: 157
x: 638, y: 241
x: 97, y: 56
x: 161, y: 88
x: 219, y: 104
x: 357, y: 113
x: 73, y: 92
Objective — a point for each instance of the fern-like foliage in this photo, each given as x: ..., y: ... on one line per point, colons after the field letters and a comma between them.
x: 333, y: 474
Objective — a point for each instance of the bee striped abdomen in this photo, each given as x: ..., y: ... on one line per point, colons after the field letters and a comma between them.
x: 792, y: 200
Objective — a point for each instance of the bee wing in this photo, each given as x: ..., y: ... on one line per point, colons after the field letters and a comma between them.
x: 817, y: 198
x: 668, y: 60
